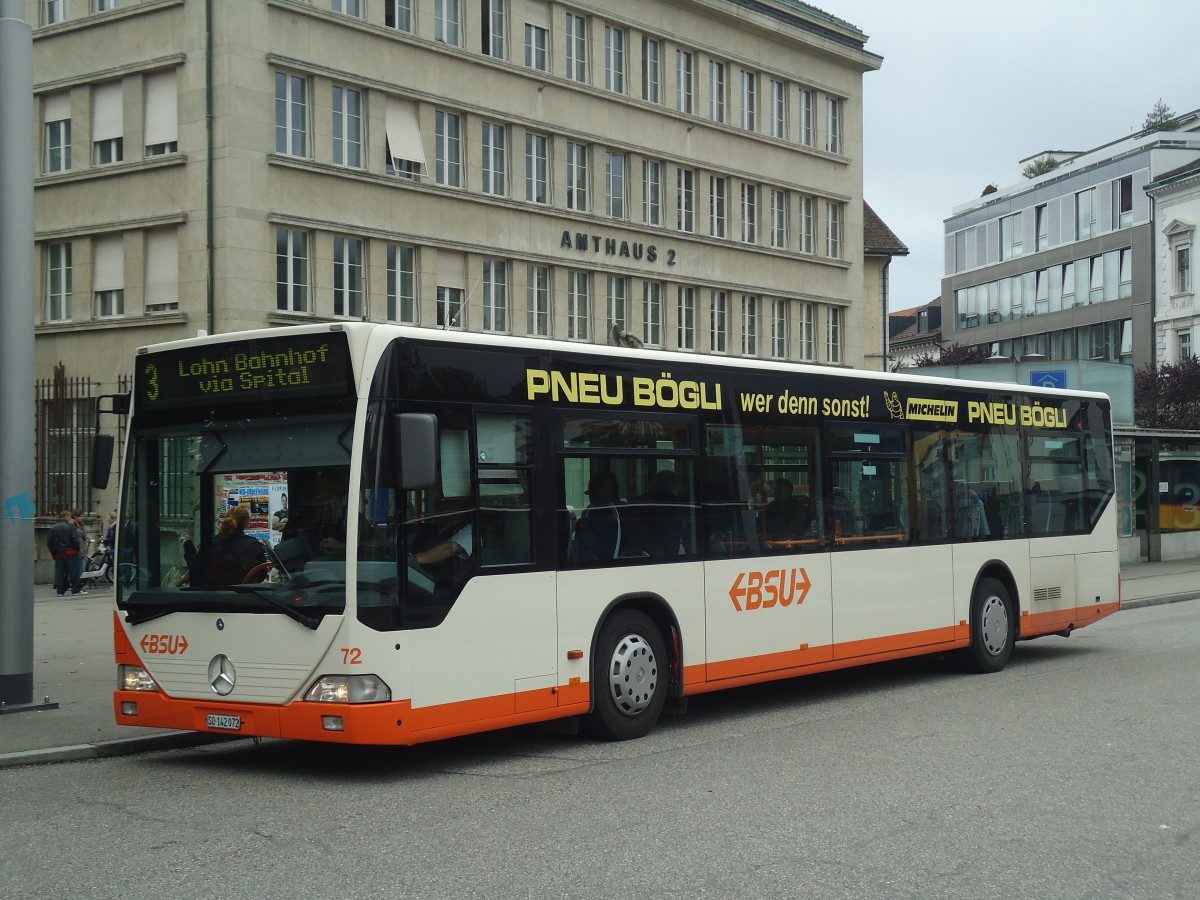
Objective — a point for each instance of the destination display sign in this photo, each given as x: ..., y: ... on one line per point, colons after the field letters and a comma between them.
x: 296, y: 367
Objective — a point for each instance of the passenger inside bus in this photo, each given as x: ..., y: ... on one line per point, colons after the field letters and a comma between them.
x: 233, y: 557
x: 598, y: 531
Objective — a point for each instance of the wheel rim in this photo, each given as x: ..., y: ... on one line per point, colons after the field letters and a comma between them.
x: 633, y: 674
x: 994, y: 625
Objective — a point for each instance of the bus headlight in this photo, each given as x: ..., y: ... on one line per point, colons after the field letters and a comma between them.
x: 134, y: 678
x: 349, y: 689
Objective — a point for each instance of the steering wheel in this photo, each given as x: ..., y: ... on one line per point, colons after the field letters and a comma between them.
x: 249, y: 578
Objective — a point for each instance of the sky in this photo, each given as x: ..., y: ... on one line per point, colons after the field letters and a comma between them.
x: 969, y: 88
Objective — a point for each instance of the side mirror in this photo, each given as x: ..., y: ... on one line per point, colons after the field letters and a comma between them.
x: 415, y: 436
x: 102, y: 458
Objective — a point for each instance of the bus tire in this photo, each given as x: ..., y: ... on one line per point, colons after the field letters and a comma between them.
x: 993, y: 628
x: 630, y: 677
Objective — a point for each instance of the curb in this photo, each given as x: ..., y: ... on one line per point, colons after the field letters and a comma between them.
x: 108, y: 749
x: 1159, y: 601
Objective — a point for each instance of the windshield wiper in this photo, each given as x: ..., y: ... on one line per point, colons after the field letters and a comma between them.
x: 310, y: 622
x: 138, y: 615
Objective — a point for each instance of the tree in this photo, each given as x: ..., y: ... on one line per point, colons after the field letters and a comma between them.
x: 1168, y: 395
x: 1160, y: 118
x: 954, y: 355
x: 1040, y: 166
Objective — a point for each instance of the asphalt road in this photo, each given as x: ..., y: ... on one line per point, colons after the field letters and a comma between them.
x: 1070, y: 774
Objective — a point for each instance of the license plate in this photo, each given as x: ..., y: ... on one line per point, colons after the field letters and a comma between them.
x: 228, y: 723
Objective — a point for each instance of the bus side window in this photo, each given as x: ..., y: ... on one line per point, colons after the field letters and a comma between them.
x: 504, y: 458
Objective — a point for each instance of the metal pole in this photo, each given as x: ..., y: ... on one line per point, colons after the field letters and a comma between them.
x: 16, y: 359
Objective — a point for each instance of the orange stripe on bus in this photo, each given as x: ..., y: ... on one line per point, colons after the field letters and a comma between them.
x: 1034, y: 624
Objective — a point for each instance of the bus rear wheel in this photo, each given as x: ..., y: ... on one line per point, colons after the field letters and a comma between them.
x: 629, y: 677
x: 993, y: 628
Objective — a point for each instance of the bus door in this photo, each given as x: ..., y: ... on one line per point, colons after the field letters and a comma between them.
x: 766, y: 575
x: 891, y: 589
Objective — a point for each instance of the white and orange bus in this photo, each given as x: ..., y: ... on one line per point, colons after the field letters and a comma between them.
x: 444, y: 533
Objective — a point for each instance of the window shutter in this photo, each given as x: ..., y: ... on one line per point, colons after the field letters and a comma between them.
x: 537, y: 13
x: 161, y: 118
x: 993, y: 241
x: 403, y: 132
x: 56, y: 107
x: 1141, y: 203
x: 162, y: 268
x: 971, y: 250
x: 108, y: 263
x: 950, y: 263
x: 1103, y: 208
x: 1066, y: 219
x: 107, y: 112
x: 452, y: 270
x: 1028, y: 230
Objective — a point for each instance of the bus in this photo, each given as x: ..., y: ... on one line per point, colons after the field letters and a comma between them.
x: 378, y: 534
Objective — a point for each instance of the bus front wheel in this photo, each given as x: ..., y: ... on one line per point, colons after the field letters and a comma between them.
x: 993, y: 628
x: 629, y: 677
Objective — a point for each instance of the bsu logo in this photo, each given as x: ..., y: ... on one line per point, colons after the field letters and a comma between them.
x: 762, y: 590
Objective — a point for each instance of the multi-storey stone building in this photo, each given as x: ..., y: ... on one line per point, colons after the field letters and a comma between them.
x: 686, y: 174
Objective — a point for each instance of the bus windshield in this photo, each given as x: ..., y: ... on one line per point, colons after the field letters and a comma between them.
x: 243, y: 514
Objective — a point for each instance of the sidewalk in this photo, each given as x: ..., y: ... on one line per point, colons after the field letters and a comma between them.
x: 73, y: 667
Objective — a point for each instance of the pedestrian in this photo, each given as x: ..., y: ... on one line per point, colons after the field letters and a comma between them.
x: 79, y: 563
x: 65, y: 546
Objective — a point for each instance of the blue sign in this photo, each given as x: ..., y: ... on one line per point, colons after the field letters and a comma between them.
x: 1056, y: 378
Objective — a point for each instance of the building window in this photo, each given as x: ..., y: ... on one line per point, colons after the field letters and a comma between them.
x: 651, y: 70
x: 685, y: 87
x: 718, y: 213
x: 614, y: 59
x: 833, y: 125
x: 348, y: 7
x: 685, y: 314
x: 718, y: 322
x: 749, y: 213
x: 807, y: 224
x: 652, y: 188
x: 779, y: 329
x: 577, y: 176
x: 108, y: 119
x: 160, y: 130
x: 405, y: 151
x: 537, y: 293
x: 348, y: 291
x: 616, y: 317
x: 291, y: 270
x: 579, y: 305
x: 291, y: 114
x: 347, y: 127
x: 108, y: 275
x: 749, y: 325
x: 162, y: 271
x: 58, y: 282
x: 495, y: 295
x: 494, y: 35
x: 833, y: 334
x: 1085, y: 216
x: 716, y: 90
x: 652, y: 310
x: 398, y: 14
x: 447, y: 21
x: 833, y: 230
x: 448, y: 149
x: 685, y: 197
x: 779, y: 219
x: 1183, y: 269
x: 55, y: 11
x: 806, y: 118
x: 749, y: 101
x: 401, y: 284
x: 1122, y: 202
x: 615, y: 189
x: 806, y: 326
x: 577, y: 41
x: 495, y: 159
x: 537, y: 168
x: 449, y: 307
x: 1126, y: 285
x: 56, y: 111
x: 1010, y: 236
x: 778, y: 109
x: 106, y: 5
x: 1043, y: 229
x: 1185, y: 345
x: 537, y: 47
